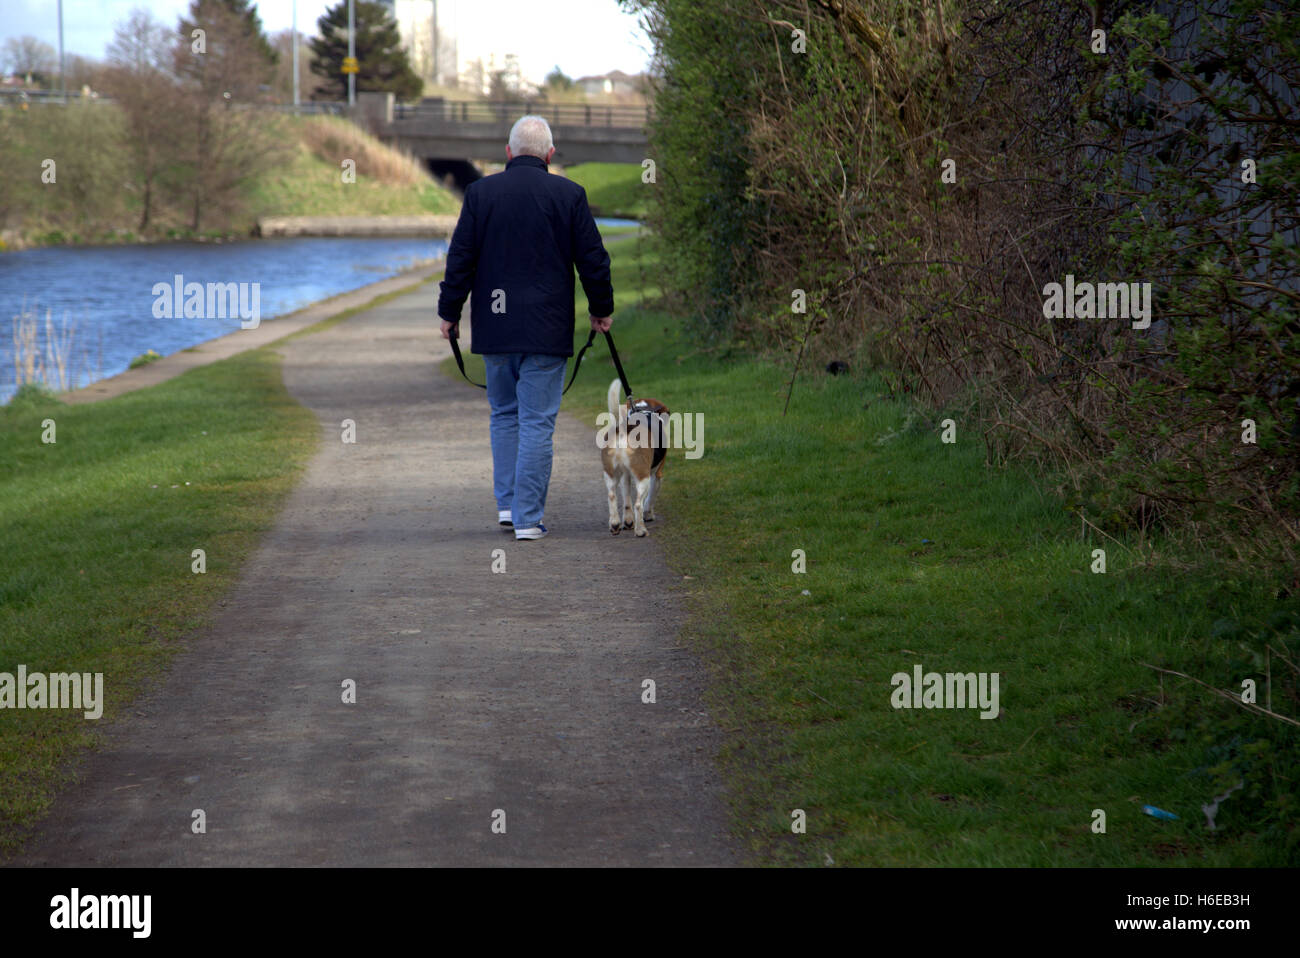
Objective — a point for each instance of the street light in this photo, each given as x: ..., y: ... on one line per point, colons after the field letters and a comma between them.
x: 63, y: 72
x: 352, y: 54
x: 295, y: 56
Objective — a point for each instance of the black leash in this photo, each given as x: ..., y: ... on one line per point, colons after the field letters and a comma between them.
x: 627, y: 389
x: 455, y: 351
x: 660, y: 451
x: 460, y: 362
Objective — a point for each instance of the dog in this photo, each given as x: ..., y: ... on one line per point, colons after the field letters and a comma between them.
x: 633, y: 456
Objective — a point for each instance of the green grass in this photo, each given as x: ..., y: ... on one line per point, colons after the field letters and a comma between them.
x: 96, y: 534
x: 919, y: 553
x: 97, y: 531
x: 301, y: 184
x: 309, y: 186
x: 613, y: 189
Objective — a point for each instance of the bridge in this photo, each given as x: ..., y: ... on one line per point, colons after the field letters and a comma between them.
x: 450, y: 134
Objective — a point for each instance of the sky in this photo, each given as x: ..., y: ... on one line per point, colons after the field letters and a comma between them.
x: 584, y: 37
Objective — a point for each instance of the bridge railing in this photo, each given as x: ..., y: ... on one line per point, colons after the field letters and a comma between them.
x: 16, y: 95
x: 312, y: 107
x: 499, y: 111
x: 13, y: 97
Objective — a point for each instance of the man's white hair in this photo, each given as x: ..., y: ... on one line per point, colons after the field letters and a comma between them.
x: 531, y: 136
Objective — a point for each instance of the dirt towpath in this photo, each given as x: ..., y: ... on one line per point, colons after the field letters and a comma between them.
x: 475, y: 691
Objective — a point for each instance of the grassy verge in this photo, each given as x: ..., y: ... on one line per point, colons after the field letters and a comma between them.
x: 917, y: 553
x: 613, y: 189
x: 97, y: 531
x: 90, y: 206
x: 310, y: 184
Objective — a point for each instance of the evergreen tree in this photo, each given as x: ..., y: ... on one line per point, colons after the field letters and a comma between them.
x: 244, y: 13
x: 384, y: 67
x: 557, y: 80
x: 236, y: 58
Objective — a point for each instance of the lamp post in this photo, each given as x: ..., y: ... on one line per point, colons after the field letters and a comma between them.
x: 295, y: 55
x: 352, y: 53
x: 63, y: 70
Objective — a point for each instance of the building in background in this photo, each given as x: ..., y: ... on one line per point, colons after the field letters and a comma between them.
x: 612, y: 84
x: 428, y: 37
x: 500, y: 78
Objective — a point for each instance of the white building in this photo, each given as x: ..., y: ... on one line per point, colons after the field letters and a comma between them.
x: 428, y: 38
x: 614, y: 83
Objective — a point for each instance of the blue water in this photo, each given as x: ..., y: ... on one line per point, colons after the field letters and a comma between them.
x: 105, y: 294
x: 101, y: 297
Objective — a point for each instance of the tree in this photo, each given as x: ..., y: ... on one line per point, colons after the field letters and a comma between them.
x: 141, y: 43
x: 84, y: 72
x: 238, y: 13
x: 384, y: 67
x: 27, y: 54
x: 146, y: 93
x: 234, y: 57
x: 557, y: 80
x: 226, y: 143
x: 283, y: 83
x: 476, y: 76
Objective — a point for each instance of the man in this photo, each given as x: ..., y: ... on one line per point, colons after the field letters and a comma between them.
x: 520, y: 234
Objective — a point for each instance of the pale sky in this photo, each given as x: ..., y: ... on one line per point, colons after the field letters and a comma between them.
x: 583, y: 36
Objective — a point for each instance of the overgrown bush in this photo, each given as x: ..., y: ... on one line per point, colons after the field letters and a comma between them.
x: 900, y: 182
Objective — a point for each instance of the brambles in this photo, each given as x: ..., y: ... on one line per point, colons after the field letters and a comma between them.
x: 929, y: 174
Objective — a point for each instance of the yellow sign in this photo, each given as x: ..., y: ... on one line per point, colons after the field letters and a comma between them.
x: 350, y: 65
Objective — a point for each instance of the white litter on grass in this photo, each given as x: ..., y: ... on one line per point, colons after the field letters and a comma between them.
x: 805, y: 592
x: 1211, y: 810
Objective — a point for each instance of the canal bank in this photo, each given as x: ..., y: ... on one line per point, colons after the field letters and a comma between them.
x: 242, y: 340
x: 421, y: 224
x: 80, y: 316
x: 368, y: 572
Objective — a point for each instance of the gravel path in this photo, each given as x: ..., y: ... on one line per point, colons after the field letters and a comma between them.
x: 475, y: 691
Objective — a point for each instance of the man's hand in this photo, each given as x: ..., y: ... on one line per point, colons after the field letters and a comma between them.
x: 447, y: 328
x: 601, y: 324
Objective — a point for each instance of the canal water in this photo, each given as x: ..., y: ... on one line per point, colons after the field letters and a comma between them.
x: 95, y: 307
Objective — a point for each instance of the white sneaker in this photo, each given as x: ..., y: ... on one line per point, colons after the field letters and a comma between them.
x: 504, y: 520
x: 536, y: 532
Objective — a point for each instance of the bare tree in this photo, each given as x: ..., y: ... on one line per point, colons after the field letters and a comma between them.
x: 476, y: 77
x: 146, y: 93
x: 85, y: 72
x: 282, y: 42
x: 27, y: 54
x: 141, y: 43
x: 225, y: 142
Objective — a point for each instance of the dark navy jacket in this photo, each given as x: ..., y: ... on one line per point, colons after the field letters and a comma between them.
x: 521, y: 232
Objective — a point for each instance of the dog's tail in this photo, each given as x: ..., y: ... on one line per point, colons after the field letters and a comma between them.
x: 617, y: 414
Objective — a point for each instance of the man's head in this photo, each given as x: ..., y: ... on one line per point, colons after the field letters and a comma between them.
x: 531, y: 136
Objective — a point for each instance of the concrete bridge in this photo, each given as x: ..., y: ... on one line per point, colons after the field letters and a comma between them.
x: 449, y: 135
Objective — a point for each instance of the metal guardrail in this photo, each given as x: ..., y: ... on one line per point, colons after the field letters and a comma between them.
x: 450, y: 111
x: 14, y: 95
x: 315, y: 107
x: 556, y: 114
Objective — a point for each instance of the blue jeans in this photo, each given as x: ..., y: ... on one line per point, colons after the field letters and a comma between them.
x: 524, y: 393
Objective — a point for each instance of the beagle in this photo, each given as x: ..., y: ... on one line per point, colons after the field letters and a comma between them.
x: 633, y: 448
